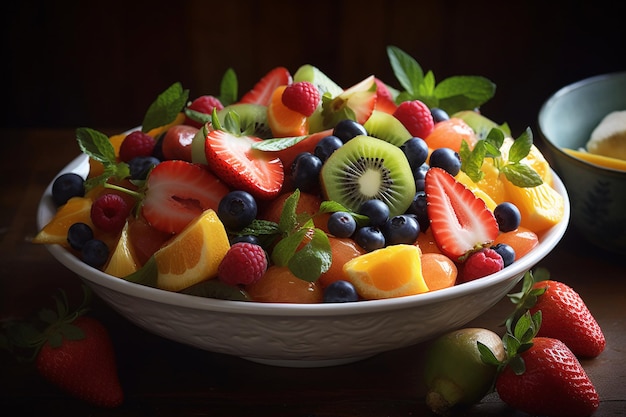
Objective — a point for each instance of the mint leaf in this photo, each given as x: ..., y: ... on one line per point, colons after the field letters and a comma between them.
x: 96, y: 145
x: 214, y: 288
x: 464, y: 92
x: 229, y: 88
x: 146, y: 275
x: 313, y: 259
x: 286, y: 248
x: 278, y: 144
x: 406, y: 69
x: 521, y: 175
x: 165, y: 108
x: 521, y: 147
x: 288, y: 219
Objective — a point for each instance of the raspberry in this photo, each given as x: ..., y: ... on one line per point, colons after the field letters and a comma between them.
x: 136, y: 144
x: 205, y: 105
x: 416, y: 117
x: 244, y: 263
x: 302, y: 97
x: 109, y: 212
x: 480, y: 264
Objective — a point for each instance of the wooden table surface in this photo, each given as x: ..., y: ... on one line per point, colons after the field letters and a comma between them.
x: 164, y: 378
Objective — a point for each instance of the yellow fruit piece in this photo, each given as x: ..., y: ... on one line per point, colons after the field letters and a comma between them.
x: 193, y: 255
x: 77, y: 209
x: 478, y: 192
x: 541, y: 207
x: 393, y: 271
x: 122, y: 261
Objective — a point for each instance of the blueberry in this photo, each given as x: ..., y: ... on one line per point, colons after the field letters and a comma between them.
x: 347, y: 129
x: 403, y: 228
x: 237, y: 209
x: 340, y: 292
x: 508, y: 216
x: 66, y: 186
x: 416, y: 151
x: 369, y: 238
x: 341, y: 224
x: 326, y: 146
x: 246, y: 239
x: 139, y: 166
x: 78, y: 234
x: 446, y: 159
x: 418, y: 209
x: 506, y: 252
x: 376, y: 210
x: 439, y: 115
x: 305, y: 171
x: 95, y: 253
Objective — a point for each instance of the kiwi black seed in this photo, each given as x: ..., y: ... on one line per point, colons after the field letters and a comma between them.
x: 252, y: 119
x: 385, y: 126
x: 365, y: 168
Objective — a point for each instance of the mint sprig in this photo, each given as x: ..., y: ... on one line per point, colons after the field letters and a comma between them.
x: 514, y: 169
x: 165, y: 108
x: 453, y: 94
x: 98, y: 147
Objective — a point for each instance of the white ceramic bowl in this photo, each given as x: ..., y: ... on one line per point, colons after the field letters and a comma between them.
x: 300, y: 335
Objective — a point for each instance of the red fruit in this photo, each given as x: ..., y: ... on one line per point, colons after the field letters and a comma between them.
x: 136, y: 144
x: 261, y: 93
x: 553, y: 384
x: 232, y: 158
x: 84, y: 363
x: 460, y: 222
x: 288, y: 155
x: 176, y: 142
x: 204, y: 105
x: 416, y: 117
x: 384, y: 99
x: 480, y: 264
x: 565, y: 316
x: 244, y: 263
x: 302, y: 97
x: 109, y: 212
x: 145, y: 239
x: 178, y: 192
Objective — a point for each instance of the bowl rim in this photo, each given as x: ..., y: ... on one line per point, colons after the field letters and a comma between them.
x: 583, y: 83
x: 550, y: 239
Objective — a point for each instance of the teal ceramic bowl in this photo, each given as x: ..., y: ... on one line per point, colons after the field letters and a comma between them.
x: 597, y: 194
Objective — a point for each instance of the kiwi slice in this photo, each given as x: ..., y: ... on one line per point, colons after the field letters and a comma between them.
x: 385, y: 126
x: 365, y: 168
x: 253, y: 119
x: 479, y: 123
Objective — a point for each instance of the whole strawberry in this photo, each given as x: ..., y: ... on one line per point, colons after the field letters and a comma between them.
x: 552, y: 384
x: 567, y: 318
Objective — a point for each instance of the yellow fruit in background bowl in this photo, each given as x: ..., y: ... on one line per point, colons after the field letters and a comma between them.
x: 392, y: 271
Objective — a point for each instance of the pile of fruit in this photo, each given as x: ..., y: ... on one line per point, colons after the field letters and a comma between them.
x: 302, y: 191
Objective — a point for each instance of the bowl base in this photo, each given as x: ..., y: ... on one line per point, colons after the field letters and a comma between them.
x: 297, y: 363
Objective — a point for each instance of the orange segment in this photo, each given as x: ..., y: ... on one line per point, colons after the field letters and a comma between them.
x: 342, y: 250
x: 541, y: 207
x: 122, y: 261
x: 521, y: 240
x: 450, y: 133
x: 76, y: 210
x: 283, y: 121
x: 438, y: 270
x: 280, y: 285
x: 393, y: 271
x: 193, y: 255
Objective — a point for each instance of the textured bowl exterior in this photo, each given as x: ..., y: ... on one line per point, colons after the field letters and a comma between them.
x: 597, y: 194
x: 300, y: 335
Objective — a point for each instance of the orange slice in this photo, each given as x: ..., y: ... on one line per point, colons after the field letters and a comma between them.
x: 76, y: 210
x: 541, y: 207
x: 122, y: 261
x: 392, y: 271
x: 193, y: 255
x: 283, y: 121
x: 438, y: 270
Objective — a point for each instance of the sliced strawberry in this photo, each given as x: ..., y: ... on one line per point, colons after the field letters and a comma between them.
x: 460, y: 221
x: 384, y: 99
x: 262, y: 91
x: 356, y: 103
x: 177, y: 192
x: 232, y: 159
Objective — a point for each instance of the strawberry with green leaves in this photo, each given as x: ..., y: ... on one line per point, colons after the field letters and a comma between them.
x: 460, y: 222
x: 541, y: 375
x: 72, y: 351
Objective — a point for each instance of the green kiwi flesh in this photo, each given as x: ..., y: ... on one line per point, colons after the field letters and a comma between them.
x: 385, y: 126
x: 365, y: 168
x: 252, y: 117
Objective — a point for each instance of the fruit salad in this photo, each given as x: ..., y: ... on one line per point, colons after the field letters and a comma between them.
x: 301, y: 191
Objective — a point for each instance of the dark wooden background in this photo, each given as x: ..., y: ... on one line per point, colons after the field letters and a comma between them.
x: 100, y: 64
